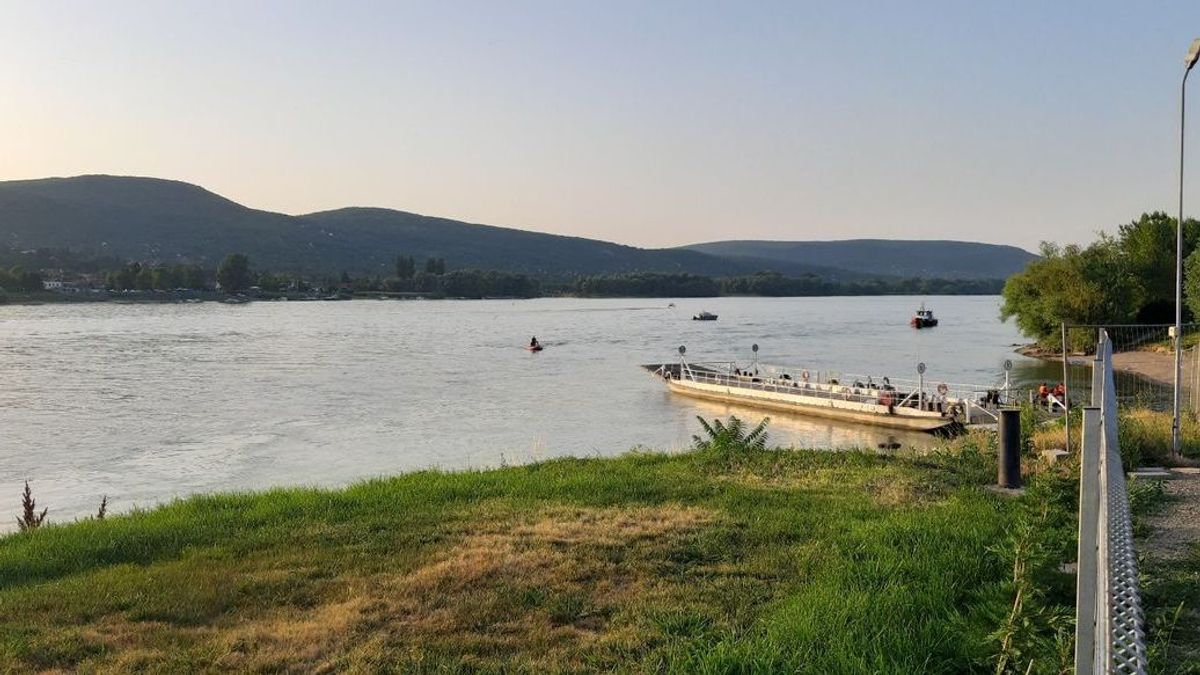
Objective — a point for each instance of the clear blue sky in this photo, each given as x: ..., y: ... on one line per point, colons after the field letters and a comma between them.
x: 646, y: 123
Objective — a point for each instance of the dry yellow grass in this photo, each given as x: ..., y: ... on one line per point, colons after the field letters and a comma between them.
x: 1048, y: 438
x: 565, y: 569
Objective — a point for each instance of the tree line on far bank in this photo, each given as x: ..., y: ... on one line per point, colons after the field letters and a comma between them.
x: 770, y: 284
x: 1128, y: 277
x: 431, y: 277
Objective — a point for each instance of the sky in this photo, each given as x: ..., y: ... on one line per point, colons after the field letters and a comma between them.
x: 648, y: 123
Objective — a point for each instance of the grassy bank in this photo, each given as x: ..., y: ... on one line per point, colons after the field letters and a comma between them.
x: 707, y: 561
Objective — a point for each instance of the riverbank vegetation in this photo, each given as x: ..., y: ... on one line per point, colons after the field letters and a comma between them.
x: 1126, y: 278
x: 768, y: 284
x: 728, y: 558
x: 73, y: 276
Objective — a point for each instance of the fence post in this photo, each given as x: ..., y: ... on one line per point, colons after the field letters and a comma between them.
x: 1066, y: 393
x: 1089, y: 519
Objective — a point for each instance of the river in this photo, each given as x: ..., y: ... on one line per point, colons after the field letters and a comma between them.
x: 144, y: 403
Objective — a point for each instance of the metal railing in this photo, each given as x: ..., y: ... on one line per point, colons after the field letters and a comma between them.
x: 971, y: 399
x: 874, y: 395
x: 1109, y: 626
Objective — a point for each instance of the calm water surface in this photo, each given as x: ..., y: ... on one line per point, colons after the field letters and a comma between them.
x: 144, y: 403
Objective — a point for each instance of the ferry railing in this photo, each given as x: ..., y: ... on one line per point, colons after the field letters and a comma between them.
x: 835, y: 392
x: 973, y: 399
x: 1109, y: 623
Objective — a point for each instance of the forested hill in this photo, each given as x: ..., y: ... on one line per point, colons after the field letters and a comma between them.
x: 884, y: 257
x: 165, y: 221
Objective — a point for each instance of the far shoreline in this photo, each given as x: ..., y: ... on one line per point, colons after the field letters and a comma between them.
x: 198, y: 297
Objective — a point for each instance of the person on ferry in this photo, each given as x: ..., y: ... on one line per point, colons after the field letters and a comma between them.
x: 1060, y: 392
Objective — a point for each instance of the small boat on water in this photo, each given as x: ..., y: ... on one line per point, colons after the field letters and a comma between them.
x: 865, y: 403
x: 705, y: 316
x: 923, y: 318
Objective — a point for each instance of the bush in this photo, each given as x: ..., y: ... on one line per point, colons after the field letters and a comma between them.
x: 731, y: 437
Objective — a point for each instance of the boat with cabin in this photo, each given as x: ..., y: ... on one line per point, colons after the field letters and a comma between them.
x: 705, y: 316
x: 923, y: 318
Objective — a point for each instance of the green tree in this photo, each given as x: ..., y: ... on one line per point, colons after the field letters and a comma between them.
x: 1071, y: 285
x: 145, y: 278
x: 234, y: 273
x: 1148, y: 245
x: 406, y: 266
x: 1191, y: 282
x: 435, y: 266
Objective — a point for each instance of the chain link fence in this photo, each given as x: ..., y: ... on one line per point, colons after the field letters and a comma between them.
x: 1109, y: 627
x: 1143, y: 364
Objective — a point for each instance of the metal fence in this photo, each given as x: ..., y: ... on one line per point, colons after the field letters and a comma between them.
x: 1109, y: 633
x: 1145, y: 369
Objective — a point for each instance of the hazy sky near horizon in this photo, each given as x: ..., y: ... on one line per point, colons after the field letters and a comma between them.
x: 650, y: 123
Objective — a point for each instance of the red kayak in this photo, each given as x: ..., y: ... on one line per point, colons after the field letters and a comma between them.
x: 528, y: 348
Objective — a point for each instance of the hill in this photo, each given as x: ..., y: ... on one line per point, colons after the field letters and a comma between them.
x: 883, y: 257
x: 166, y: 221
x: 170, y: 221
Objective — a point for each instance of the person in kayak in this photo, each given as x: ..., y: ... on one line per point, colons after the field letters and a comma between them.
x: 533, y: 343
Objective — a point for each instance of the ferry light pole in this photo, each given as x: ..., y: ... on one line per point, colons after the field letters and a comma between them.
x: 1189, y: 62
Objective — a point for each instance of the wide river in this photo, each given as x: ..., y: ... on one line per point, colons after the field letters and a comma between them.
x: 144, y: 403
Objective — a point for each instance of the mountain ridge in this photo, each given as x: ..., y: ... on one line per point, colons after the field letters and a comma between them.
x: 145, y: 218
x: 940, y: 258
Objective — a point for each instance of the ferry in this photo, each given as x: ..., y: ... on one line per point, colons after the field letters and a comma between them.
x: 880, y: 404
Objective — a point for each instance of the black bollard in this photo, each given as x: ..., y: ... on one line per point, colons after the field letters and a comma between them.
x: 1010, y: 448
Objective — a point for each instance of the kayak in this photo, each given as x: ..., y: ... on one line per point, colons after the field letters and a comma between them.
x: 533, y: 349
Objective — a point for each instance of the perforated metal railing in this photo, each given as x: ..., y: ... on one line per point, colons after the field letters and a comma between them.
x: 1109, y: 632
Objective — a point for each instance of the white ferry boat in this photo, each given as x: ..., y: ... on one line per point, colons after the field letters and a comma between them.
x: 881, y: 404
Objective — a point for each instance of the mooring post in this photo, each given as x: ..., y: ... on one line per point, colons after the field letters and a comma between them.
x: 1010, y: 448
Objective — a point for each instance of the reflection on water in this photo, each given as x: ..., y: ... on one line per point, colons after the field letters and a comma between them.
x: 810, y: 432
x: 147, y: 402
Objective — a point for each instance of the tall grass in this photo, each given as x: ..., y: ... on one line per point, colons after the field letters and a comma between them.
x: 1145, y: 437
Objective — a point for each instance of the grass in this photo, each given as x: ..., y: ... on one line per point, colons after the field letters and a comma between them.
x: 1145, y: 437
x: 1170, y: 590
x: 708, y: 561
x: 1171, y: 596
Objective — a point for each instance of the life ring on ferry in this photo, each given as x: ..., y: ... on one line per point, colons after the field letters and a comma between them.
x: 804, y: 376
x: 943, y: 389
